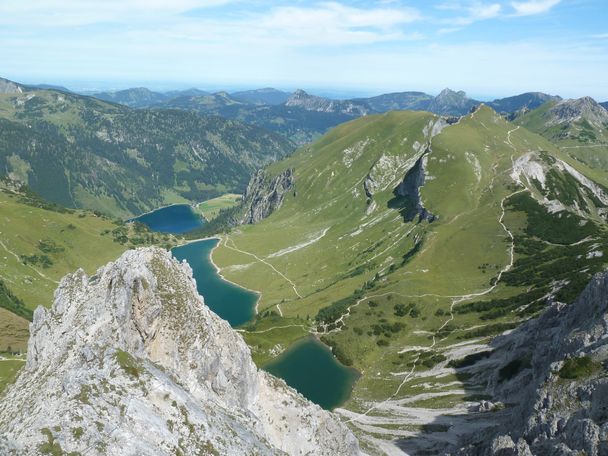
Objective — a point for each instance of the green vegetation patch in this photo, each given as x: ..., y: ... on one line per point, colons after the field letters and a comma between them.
x: 128, y: 363
x: 560, y: 228
x: 575, y: 368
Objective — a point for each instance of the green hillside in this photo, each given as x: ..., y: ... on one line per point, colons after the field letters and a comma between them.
x: 405, y: 238
x: 82, y: 152
x: 40, y: 243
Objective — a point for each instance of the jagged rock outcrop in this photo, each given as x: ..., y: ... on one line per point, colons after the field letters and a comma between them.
x: 131, y: 362
x: 265, y: 195
x: 409, y: 190
x: 552, y: 374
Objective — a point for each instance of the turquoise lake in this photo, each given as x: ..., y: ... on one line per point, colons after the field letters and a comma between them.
x: 176, y: 219
x: 309, y: 367
x: 231, y: 302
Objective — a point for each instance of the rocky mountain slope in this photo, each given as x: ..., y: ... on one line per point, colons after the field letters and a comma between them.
x: 553, y: 374
x: 130, y: 361
x: 578, y: 127
x: 409, y: 240
x: 81, y: 152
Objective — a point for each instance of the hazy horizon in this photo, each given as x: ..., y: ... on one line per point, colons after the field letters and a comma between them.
x: 489, y: 49
x: 85, y: 87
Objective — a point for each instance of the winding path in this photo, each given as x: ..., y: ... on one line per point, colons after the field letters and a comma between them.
x: 261, y: 260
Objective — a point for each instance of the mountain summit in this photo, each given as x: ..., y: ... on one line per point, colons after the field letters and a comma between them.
x: 131, y: 361
x: 449, y: 102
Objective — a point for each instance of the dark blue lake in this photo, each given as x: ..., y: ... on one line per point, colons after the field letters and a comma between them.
x: 176, y: 219
x: 309, y: 367
x: 231, y: 302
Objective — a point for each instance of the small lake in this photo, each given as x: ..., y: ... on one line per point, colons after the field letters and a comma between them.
x: 309, y: 367
x: 175, y: 219
x: 231, y: 302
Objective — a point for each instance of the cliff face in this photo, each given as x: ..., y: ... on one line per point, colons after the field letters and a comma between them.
x: 552, y: 375
x: 131, y: 362
x: 264, y: 196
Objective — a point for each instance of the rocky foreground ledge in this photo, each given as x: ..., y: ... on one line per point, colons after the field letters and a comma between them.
x: 131, y: 362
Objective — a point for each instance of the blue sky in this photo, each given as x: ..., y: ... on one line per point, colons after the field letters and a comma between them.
x: 487, y: 48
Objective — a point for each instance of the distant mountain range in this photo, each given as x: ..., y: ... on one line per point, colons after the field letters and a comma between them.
x: 79, y: 151
x: 302, y: 117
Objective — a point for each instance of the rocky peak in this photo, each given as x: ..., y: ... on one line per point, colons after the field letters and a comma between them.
x: 449, y: 102
x: 585, y: 108
x: 130, y: 361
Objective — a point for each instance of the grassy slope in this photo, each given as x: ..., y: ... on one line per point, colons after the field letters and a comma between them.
x: 210, y: 209
x: 81, y: 239
x: 461, y: 253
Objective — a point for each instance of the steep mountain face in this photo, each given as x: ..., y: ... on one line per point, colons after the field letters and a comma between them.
x: 452, y: 103
x: 552, y: 373
x: 130, y: 361
x: 604, y: 105
x: 81, y: 152
x: 526, y: 101
x: 264, y: 196
x: 410, y: 241
x: 266, y: 96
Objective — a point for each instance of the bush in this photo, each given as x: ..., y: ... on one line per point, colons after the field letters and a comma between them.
x: 574, y: 368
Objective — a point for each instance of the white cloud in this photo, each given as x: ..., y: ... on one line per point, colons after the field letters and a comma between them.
x: 470, y: 12
x: 333, y: 23
x: 532, y: 7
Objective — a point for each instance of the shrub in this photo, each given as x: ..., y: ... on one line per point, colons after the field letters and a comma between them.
x: 574, y: 368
